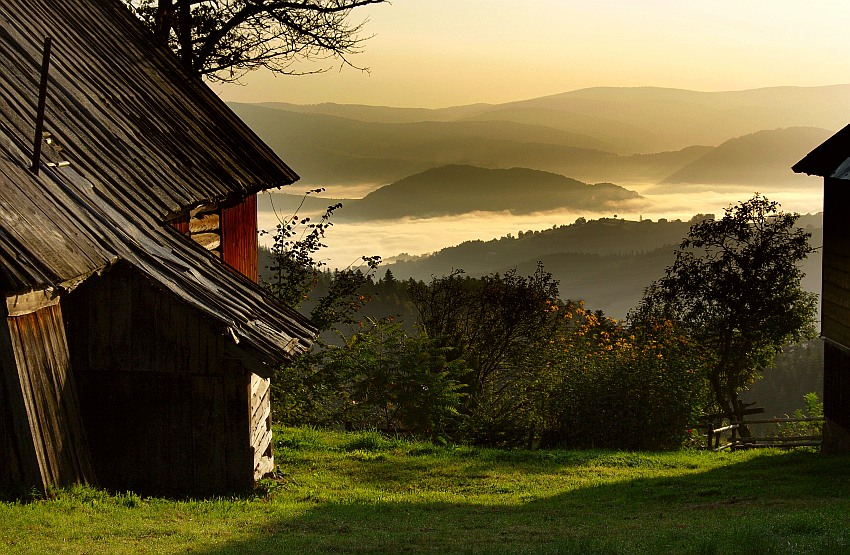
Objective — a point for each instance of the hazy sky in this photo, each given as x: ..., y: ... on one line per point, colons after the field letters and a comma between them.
x: 436, y: 53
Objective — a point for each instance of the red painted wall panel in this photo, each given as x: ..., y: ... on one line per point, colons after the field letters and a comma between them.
x: 239, y: 237
x: 181, y: 224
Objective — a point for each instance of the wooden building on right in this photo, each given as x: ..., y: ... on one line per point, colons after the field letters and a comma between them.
x: 831, y: 160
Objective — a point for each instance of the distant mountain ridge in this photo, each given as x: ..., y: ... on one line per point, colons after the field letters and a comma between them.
x: 753, y: 158
x: 802, y: 106
x: 617, y: 135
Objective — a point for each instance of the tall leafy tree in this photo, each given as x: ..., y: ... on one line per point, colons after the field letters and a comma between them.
x: 224, y: 39
x: 735, y: 288
x: 500, y: 325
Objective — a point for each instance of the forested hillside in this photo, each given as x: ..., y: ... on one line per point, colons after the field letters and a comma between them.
x: 452, y: 190
x: 606, y: 262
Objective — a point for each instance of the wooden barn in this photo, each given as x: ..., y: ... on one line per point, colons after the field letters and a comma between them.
x: 831, y: 160
x: 138, y: 347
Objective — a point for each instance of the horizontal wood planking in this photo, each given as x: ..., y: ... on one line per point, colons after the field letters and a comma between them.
x: 260, y: 425
x: 205, y: 223
x: 262, y: 455
x: 210, y: 241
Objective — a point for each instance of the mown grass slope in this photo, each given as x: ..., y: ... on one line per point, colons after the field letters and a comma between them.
x: 362, y: 493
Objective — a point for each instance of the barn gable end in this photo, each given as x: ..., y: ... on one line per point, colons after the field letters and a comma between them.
x: 157, y: 384
x: 131, y: 356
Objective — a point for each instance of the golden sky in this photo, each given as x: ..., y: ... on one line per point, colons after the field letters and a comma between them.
x: 437, y: 53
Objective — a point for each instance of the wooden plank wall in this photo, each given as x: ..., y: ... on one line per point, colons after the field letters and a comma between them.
x: 836, y: 385
x: 205, y: 227
x: 835, y: 311
x: 239, y: 238
x: 261, y: 426
x: 168, y: 434
x: 50, y: 424
x: 181, y: 224
x: 175, y: 420
x: 18, y: 464
x: 836, y: 262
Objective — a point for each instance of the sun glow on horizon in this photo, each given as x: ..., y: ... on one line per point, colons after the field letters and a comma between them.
x: 448, y: 52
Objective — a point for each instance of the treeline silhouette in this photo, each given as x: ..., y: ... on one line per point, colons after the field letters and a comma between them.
x: 496, y: 360
x: 501, y: 359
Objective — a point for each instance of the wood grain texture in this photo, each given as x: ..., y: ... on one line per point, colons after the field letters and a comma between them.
x: 51, y: 406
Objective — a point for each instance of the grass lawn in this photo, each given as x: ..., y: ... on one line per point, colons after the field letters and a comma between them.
x: 361, y: 493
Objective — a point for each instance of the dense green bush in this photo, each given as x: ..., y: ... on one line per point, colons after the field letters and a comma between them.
x: 500, y: 361
x: 814, y: 409
x: 379, y: 378
x: 500, y: 326
x: 633, y: 387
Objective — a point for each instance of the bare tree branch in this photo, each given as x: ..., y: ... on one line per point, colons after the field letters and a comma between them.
x: 225, y: 39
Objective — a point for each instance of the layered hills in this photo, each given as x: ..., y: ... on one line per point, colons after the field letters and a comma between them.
x: 622, y: 135
x: 758, y: 158
x: 540, y: 155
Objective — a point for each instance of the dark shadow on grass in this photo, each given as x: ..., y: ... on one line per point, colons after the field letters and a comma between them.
x: 798, y: 502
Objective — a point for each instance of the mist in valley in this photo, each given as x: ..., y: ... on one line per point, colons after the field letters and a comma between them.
x: 348, y: 241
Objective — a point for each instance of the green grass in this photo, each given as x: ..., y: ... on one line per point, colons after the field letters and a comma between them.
x: 364, y: 493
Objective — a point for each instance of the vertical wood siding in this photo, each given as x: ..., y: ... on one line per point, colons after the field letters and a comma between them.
x: 50, y: 406
x: 165, y: 410
x: 836, y: 262
x: 18, y: 464
x: 181, y: 224
x: 239, y: 237
x: 836, y: 302
x: 836, y: 385
x: 168, y: 434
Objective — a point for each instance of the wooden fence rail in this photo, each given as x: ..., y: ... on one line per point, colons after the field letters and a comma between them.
x: 737, y: 440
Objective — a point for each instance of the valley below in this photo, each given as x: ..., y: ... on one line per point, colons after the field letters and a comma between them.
x: 483, y: 187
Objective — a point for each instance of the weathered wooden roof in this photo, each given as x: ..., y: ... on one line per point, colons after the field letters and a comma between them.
x: 134, y: 142
x: 56, y: 230
x: 125, y: 111
x: 830, y: 159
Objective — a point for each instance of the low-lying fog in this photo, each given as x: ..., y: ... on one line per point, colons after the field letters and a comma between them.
x: 347, y: 242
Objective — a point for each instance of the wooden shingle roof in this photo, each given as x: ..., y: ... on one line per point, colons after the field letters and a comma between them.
x: 135, y: 142
x: 124, y: 110
x: 830, y: 159
x: 56, y: 230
